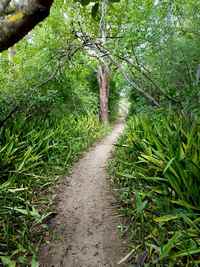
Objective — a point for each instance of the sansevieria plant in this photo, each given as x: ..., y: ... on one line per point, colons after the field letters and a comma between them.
x: 158, y: 159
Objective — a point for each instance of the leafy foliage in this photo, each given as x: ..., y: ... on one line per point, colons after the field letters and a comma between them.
x: 49, y: 105
x: 48, y: 117
x: 32, y: 158
x: 157, y: 171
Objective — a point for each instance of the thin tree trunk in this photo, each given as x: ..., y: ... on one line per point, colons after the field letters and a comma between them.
x: 103, y: 93
x: 103, y: 69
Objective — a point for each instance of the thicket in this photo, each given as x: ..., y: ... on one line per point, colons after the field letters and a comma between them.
x: 33, y: 156
x: 157, y: 173
x: 156, y: 164
x: 48, y: 116
x: 49, y: 109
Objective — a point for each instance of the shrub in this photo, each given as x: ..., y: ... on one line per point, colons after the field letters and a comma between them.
x: 157, y: 172
x: 32, y: 156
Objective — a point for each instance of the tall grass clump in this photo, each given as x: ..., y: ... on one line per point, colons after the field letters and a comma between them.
x: 32, y: 156
x: 157, y: 173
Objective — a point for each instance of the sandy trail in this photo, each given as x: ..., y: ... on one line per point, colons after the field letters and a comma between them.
x: 85, y: 233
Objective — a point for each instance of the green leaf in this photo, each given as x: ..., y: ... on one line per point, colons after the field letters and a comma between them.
x: 184, y: 204
x: 153, y: 178
x: 168, y: 165
x: 166, y: 218
x: 14, y: 190
x: 140, y: 205
x: 187, y: 252
x: 6, y: 260
x: 34, y: 213
x: 165, y: 250
x: 34, y: 262
x: 95, y: 9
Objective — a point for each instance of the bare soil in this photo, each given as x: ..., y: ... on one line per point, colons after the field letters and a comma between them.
x: 85, y: 228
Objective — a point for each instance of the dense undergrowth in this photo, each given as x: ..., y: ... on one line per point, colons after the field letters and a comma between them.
x: 156, y: 172
x: 33, y: 155
x: 48, y: 116
x: 49, y: 105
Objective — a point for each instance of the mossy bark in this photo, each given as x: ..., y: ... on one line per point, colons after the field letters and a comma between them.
x: 16, y: 25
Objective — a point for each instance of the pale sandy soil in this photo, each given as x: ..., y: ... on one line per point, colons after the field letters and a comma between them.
x: 85, y: 229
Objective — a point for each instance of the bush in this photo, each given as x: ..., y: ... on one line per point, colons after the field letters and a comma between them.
x: 156, y: 169
x: 32, y: 155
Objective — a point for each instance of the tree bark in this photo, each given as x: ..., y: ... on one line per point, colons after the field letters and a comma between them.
x: 17, y: 24
x: 103, y: 69
x: 103, y: 92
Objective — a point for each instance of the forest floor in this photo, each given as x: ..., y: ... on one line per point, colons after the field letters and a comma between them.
x: 85, y: 228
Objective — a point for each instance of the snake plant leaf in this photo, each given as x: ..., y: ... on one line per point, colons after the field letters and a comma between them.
x: 186, y: 252
x: 165, y: 250
x: 166, y: 218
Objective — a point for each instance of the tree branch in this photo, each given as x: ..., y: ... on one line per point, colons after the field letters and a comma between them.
x: 146, y: 74
x: 99, y: 51
x: 15, y: 26
x: 13, y: 111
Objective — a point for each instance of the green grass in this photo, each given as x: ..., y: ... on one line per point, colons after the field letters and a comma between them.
x: 33, y: 155
x: 157, y: 173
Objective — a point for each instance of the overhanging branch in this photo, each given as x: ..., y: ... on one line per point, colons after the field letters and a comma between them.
x: 99, y: 51
x: 16, y: 25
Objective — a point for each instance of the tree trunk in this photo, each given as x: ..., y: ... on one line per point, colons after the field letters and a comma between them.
x: 103, y: 93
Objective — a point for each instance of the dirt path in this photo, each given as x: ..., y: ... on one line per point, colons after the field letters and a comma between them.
x: 85, y: 233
